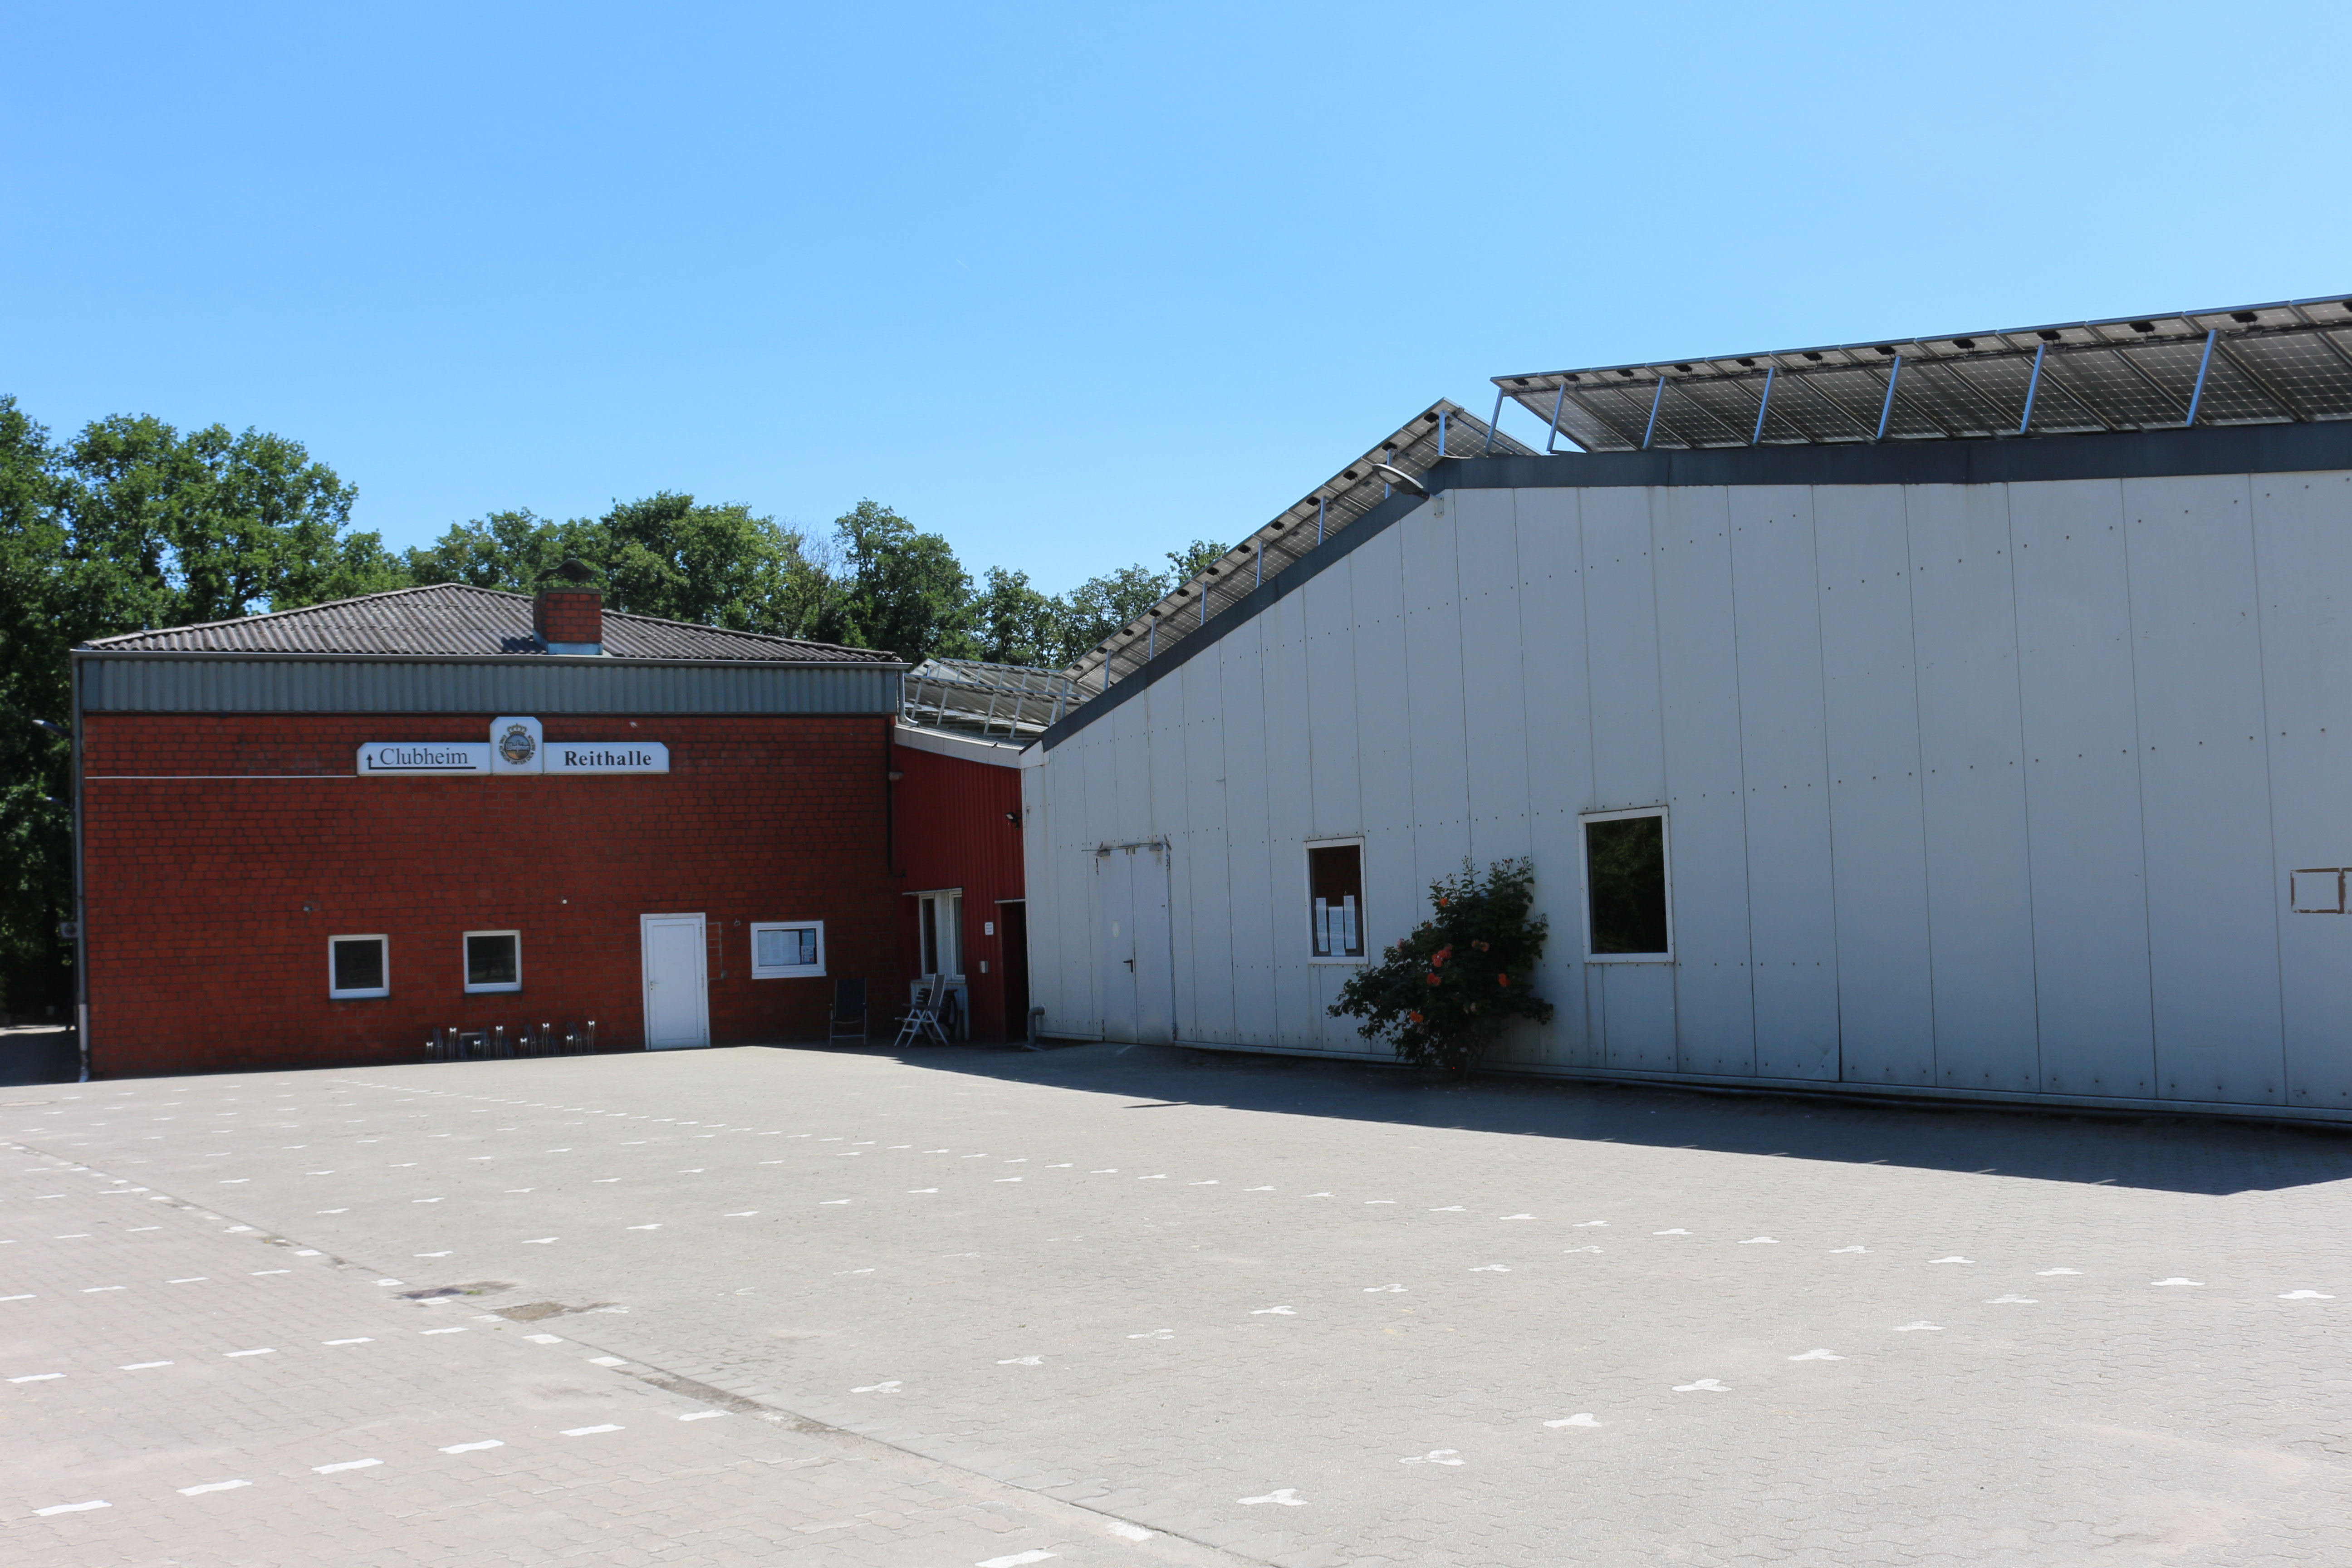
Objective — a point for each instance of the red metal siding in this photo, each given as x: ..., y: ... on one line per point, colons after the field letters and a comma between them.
x: 959, y: 826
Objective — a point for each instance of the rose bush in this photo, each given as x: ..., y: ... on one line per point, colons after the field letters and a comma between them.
x: 1442, y: 994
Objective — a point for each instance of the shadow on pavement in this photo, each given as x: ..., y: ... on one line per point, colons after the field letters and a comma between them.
x: 2167, y: 1153
x: 38, y: 1053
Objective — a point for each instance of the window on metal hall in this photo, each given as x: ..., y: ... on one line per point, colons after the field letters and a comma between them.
x: 1625, y: 873
x: 1335, y: 890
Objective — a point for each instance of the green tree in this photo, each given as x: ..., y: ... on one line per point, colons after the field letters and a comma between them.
x: 36, y: 757
x: 132, y: 525
x: 1015, y: 624
x: 903, y: 591
x: 1101, y: 606
x: 1441, y: 995
x: 1195, y: 558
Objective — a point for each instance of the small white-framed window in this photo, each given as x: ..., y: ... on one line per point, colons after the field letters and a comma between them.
x: 787, y: 950
x: 359, y: 966
x: 939, y: 925
x: 1335, y: 901
x: 493, y: 961
x: 1628, y: 888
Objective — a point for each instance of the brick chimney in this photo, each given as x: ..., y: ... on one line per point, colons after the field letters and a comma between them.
x: 568, y: 614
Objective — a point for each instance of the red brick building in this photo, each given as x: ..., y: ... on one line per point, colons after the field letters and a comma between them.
x: 318, y: 835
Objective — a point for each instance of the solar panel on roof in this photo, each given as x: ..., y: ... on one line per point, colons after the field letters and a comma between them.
x: 2289, y: 362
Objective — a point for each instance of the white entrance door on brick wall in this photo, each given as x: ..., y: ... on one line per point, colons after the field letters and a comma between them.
x: 677, y: 1002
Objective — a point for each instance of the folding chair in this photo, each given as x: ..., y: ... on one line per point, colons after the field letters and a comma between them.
x: 922, y: 1016
x: 848, y: 1008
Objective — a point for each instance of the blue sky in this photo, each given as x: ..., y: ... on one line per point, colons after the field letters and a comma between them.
x: 1072, y: 285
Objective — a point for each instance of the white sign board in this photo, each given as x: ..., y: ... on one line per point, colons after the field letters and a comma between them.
x: 606, y: 757
x: 517, y: 746
x: 424, y: 759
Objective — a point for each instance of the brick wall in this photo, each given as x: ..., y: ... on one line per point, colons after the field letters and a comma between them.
x: 210, y: 901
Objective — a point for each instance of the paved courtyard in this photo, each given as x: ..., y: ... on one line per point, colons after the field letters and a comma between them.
x: 1139, y: 1306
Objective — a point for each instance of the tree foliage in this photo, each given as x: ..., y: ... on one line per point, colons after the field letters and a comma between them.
x: 1441, y: 995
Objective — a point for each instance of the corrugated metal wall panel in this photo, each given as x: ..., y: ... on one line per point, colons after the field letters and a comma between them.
x: 132, y: 685
x: 1924, y: 808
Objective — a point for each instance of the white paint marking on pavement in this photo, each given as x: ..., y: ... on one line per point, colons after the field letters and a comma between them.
x: 1375, y: 1203
x: 1518, y: 1216
x: 1951, y: 1260
x: 473, y: 1447
x: 1818, y: 1356
x: 1761, y: 1241
x: 1017, y: 1559
x: 1435, y: 1457
x: 1583, y: 1224
x: 2307, y: 1296
x: 1835, y: 1251
x: 544, y: 1339
x: 1126, y: 1532
x: 1257, y: 1189
x: 1492, y: 1269
x: 702, y: 1414
x: 362, y: 1339
x: 1155, y: 1334
x: 1287, y: 1496
x: 1016, y: 1178
x: 912, y: 1190
x: 1920, y: 1328
x: 38, y: 1377
x: 543, y: 1240
x: 602, y: 1180
x: 1207, y: 1183
x: 432, y: 1255
x: 144, y: 1365
x: 2005, y: 1301
x: 95, y: 1289
x: 1277, y: 1311
x: 1705, y: 1384
x: 2176, y: 1279
x: 346, y: 1465
x: 1161, y: 1178
x: 334, y: 1211
x: 1670, y: 1233
x: 261, y: 1271
x: 265, y: 1350
x: 839, y: 1272
x: 442, y: 1330
x: 392, y: 1281
x: 71, y: 1507
x: 606, y: 1361
x: 1582, y: 1418
x: 1107, y: 1171
x: 590, y: 1431
x: 830, y: 1202
x: 2046, y: 1273
x: 888, y: 1386
x: 1022, y: 1361
x: 1452, y: 1208
x: 25, y: 1297
x: 213, y: 1486
x: 656, y: 1225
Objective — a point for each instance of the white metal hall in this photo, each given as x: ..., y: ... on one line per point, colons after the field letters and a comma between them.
x: 1965, y: 716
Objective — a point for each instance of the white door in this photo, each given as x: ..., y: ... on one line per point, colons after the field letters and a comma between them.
x: 1155, y: 956
x: 1115, y: 899
x: 676, y: 985
x: 1139, y: 979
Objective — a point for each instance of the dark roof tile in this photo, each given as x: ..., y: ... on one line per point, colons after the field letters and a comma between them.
x: 452, y: 620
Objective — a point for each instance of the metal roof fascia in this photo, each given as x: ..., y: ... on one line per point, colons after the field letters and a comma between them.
x: 124, y: 682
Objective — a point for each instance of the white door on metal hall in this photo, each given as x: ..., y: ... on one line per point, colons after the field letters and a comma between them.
x: 1138, y: 987
x: 1115, y: 904
x: 676, y: 983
